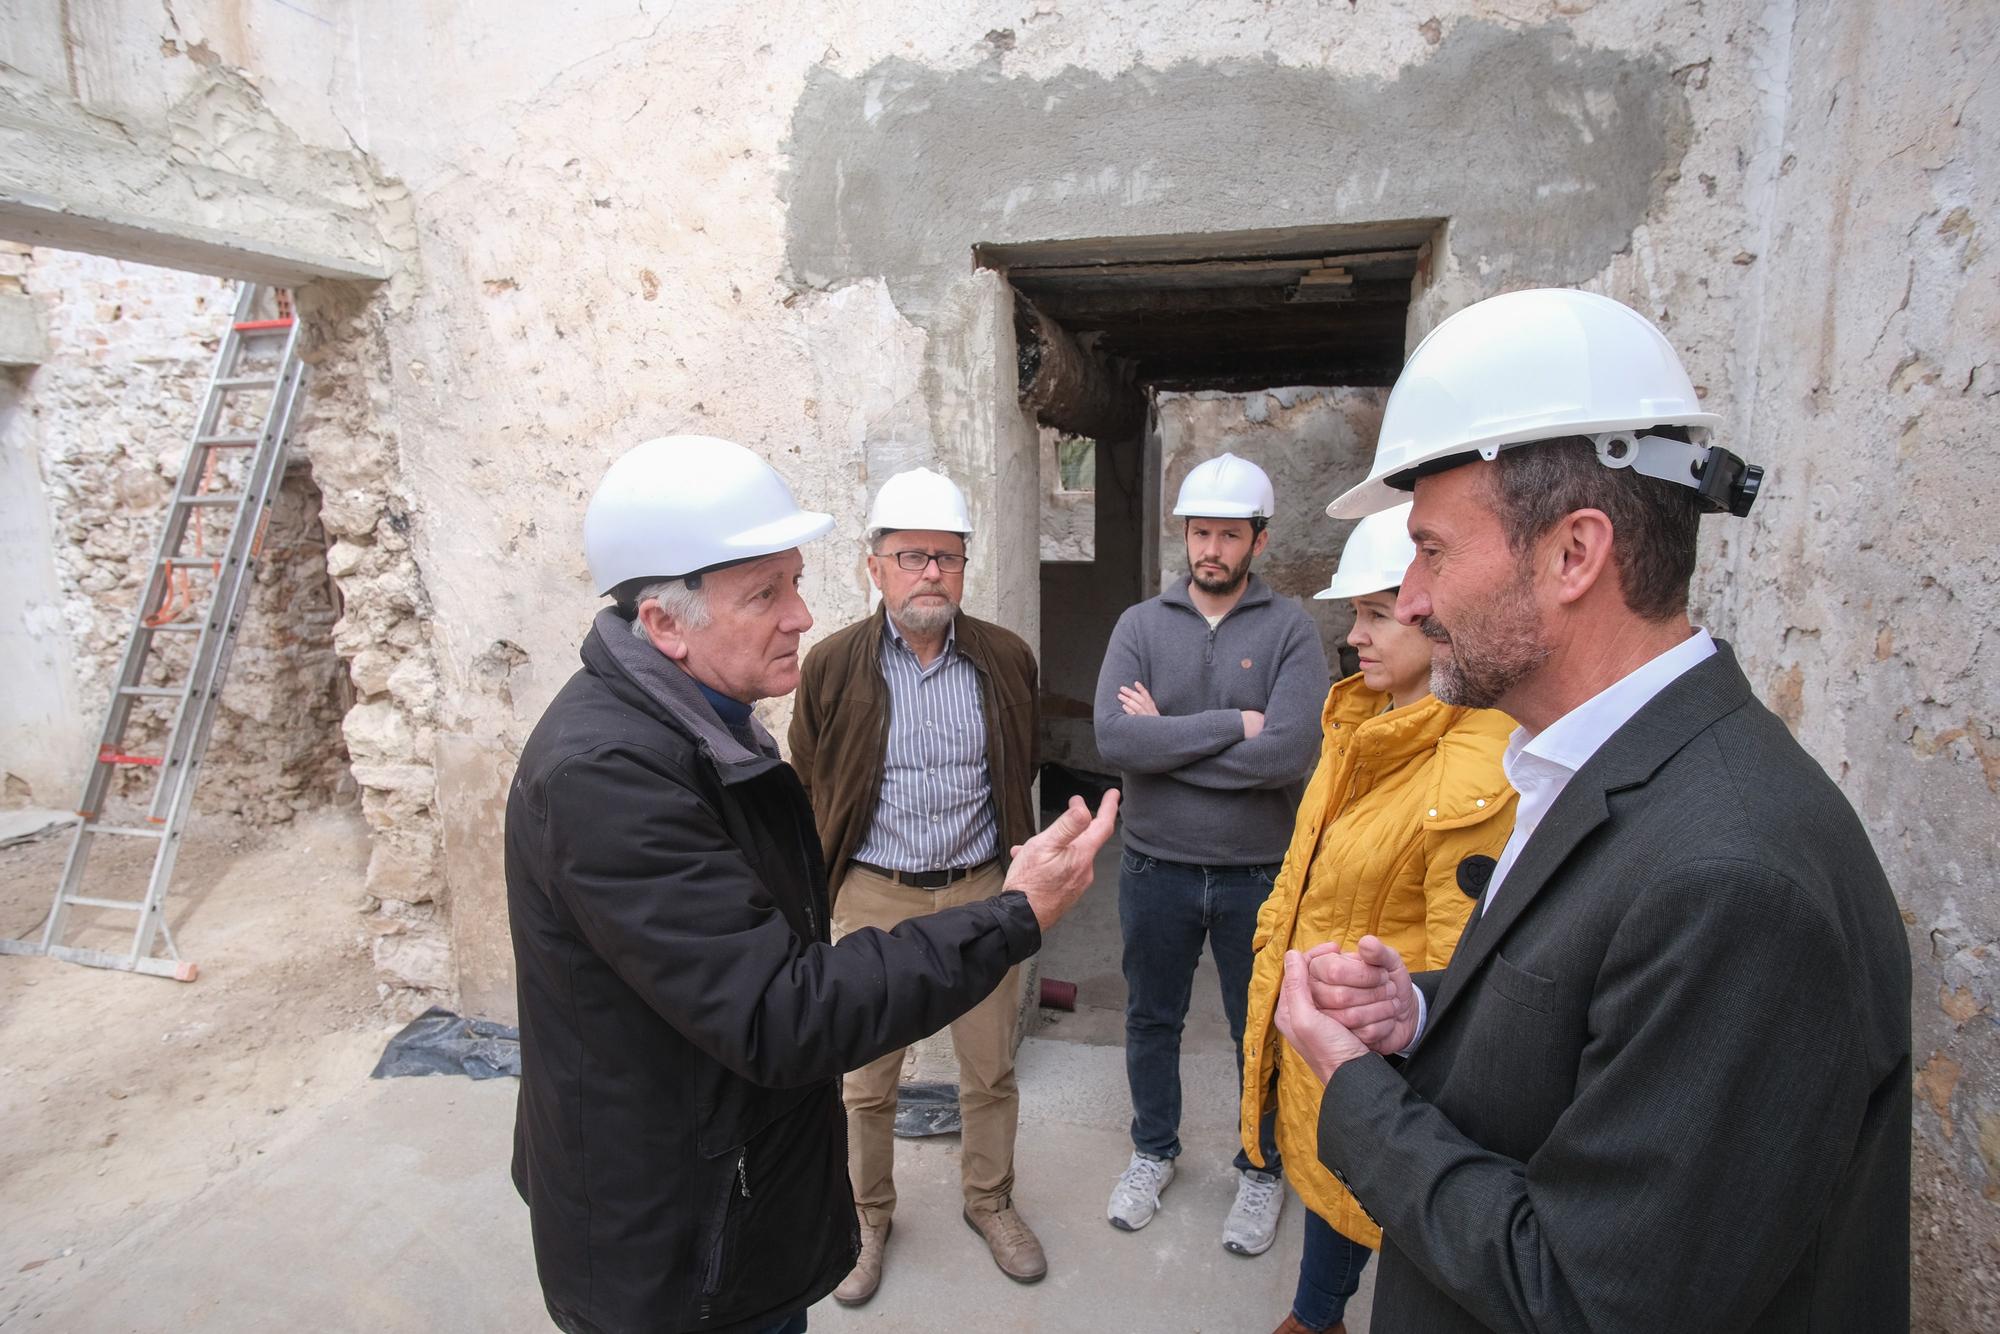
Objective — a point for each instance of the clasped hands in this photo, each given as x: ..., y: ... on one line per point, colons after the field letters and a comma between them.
x: 1335, y: 1006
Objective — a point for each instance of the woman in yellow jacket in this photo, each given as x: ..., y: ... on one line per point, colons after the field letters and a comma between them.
x: 1407, y: 788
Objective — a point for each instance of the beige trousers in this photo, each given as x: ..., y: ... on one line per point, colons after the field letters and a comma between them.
x: 983, y: 1039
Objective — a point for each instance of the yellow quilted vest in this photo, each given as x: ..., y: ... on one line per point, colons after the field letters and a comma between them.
x: 1398, y: 801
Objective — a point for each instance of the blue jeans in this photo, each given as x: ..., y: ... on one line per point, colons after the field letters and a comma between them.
x: 1167, y: 909
x: 1329, y: 1273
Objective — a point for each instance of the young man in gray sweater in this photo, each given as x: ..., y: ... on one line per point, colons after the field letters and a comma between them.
x: 1209, y: 702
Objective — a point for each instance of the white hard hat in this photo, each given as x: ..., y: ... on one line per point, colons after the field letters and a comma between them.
x: 920, y: 498
x: 682, y: 504
x: 1538, y: 364
x: 1226, y: 487
x: 1377, y: 554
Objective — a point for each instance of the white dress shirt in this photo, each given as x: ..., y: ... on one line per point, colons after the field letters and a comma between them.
x: 1540, y: 764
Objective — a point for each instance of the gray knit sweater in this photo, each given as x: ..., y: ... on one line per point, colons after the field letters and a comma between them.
x: 1195, y: 789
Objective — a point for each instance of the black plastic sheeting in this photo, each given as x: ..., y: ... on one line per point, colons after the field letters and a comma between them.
x: 438, y: 1042
x: 926, y: 1108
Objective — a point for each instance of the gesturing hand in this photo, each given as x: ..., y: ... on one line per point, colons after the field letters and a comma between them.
x: 1055, y: 866
x: 1368, y: 991
x: 1313, y: 1033
x: 1138, y: 701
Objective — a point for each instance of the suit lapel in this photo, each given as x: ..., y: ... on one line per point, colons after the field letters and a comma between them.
x: 1627, y: 759
x: 1580, y: 809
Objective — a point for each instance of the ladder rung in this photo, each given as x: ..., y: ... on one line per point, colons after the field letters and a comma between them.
x: 129, y: 831
x: 211, y: 498
x: 227, y: 441
x: 129, y: 905
x: 191, y: 562
x: 153, y: 692
x: 246, y: 382
x: 106, y: 755
x: 174, y: 627
x: 260, y: 326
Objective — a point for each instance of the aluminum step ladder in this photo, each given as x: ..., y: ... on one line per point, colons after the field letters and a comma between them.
x: 230, y: 471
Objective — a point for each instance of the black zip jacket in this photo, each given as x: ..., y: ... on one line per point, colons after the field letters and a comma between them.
x: 679, y: 1139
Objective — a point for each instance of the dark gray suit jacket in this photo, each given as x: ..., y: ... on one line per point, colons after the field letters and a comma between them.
x: 1665, y: 1082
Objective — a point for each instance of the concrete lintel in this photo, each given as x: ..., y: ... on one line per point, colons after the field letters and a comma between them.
x: 23, y: 342
x: 78, y: 180
x: 172, y: 243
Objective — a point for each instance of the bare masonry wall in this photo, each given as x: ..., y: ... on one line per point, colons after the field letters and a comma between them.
x: 101, y: 428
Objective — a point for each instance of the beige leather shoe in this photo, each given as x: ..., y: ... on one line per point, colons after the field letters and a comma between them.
x: 866, y: 1276
x: 1014, y: 1247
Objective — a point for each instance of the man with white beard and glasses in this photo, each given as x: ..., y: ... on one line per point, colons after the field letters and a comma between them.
x: 915, y: 737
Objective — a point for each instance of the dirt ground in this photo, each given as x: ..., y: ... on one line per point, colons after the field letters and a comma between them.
x: 122, y: 1094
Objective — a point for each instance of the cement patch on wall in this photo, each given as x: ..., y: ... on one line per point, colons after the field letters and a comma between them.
x: 1555, y: 152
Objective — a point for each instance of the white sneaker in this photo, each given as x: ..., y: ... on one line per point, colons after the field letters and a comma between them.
x: 1252, y: 1224
x: 1136, y: 1197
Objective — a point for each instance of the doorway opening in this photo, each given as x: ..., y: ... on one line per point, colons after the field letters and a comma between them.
x: 1141, y: 357
x: 94, y: 431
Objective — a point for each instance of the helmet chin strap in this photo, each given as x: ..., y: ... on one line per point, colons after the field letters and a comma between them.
x: 1724, y: 482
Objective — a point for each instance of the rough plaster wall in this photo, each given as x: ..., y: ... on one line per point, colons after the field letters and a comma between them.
x: 1314, y: 443
x: 130, y: 135
x: 111, y: 411
x: 41, y: 720
x: 1863, y: 594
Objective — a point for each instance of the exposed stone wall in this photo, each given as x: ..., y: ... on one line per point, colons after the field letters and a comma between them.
x: 110, y: 412
x: 348, y: 429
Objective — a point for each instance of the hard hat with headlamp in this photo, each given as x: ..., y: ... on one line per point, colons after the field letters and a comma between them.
x: 1541, y: 364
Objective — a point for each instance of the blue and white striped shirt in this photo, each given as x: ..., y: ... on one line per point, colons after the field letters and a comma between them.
x: 936, y: 809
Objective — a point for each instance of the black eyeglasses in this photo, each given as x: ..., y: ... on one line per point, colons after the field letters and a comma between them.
x: 948, y: 562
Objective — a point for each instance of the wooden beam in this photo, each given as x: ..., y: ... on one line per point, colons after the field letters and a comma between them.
x: 1068, y: 386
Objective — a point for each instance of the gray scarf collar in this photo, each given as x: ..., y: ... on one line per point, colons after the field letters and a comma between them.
x: 669, y: 686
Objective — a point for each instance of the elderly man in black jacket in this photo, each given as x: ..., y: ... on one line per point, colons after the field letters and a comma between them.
x: 1665, y: 1082
x: 684, y: 1019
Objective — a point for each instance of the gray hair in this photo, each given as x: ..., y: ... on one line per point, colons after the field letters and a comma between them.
x: 687, y: 607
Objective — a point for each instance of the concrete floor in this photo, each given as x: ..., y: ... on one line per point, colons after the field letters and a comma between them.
x: 391, y: 1210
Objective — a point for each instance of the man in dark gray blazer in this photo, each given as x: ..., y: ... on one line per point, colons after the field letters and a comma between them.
x: 1665, y: 1082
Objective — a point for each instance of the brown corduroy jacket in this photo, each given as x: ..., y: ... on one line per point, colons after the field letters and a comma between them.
x: 840, y: 731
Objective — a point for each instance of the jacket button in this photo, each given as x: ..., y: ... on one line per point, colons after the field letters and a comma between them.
x: 1481, y: 803
x: 1434, y: 812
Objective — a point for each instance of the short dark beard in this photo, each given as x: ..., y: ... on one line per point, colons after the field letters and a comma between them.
x: 1492, y: 651
x: 1237, y: 577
